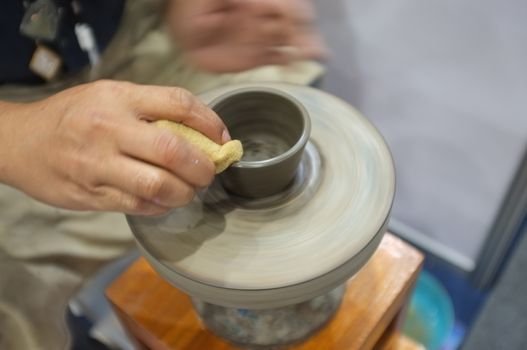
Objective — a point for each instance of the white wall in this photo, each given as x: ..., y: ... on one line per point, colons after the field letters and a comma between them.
x: 446, y: 83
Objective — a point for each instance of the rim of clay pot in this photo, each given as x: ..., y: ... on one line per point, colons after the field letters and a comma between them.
x: 297, y: 147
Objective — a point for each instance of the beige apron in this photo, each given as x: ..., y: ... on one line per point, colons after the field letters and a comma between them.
x: 47, y: 253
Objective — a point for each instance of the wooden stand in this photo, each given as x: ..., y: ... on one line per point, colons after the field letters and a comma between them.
x: 159, y: 316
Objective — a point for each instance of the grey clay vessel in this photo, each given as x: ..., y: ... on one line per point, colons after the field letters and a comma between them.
x: 273, y: 128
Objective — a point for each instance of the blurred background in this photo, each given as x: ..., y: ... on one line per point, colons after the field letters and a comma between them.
x: 446, y: 84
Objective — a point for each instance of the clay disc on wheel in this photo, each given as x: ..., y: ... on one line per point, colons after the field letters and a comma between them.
x: 294, y: 245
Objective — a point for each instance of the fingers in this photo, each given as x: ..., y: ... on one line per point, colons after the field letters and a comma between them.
x: 168, y: 151
x: 272, y: 32
x: 109, y: 198
x: 207, y: 29
x: 148, y: 183
x: 267, y: 8
x: 177, y: 104
x: 199, y: 23
x: 306, y: 45
x: 285, y: 30
x: 300, y: 13
x: 200, y: 7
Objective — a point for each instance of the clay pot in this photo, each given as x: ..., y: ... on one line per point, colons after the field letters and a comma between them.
x: 273, y: 128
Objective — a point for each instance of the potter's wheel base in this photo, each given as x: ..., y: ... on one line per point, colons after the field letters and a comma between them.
x: 270, y: 328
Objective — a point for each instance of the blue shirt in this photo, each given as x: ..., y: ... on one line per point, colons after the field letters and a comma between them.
x: 16, y: 49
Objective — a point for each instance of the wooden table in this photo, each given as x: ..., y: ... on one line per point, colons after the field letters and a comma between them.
x: 159, y: 316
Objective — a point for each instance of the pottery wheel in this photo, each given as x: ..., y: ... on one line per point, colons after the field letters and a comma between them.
x: 295, y: 245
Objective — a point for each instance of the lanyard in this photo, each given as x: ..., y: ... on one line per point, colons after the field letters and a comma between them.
x: 41, y: 23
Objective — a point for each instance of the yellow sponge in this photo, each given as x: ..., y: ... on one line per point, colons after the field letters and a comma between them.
x: 222, y: 155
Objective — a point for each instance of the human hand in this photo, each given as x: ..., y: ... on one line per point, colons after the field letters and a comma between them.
x: 235, y: 35
x: 90, y: 148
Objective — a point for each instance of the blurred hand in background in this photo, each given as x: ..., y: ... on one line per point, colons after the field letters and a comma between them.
x: 235, y: 35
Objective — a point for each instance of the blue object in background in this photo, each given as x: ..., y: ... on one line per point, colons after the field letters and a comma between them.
x: 430, y: 317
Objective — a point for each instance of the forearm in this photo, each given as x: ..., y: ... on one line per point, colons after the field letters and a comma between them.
x: 11, y: 114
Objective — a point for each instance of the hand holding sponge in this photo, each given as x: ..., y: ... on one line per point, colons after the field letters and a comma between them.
x: 222, y: 155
